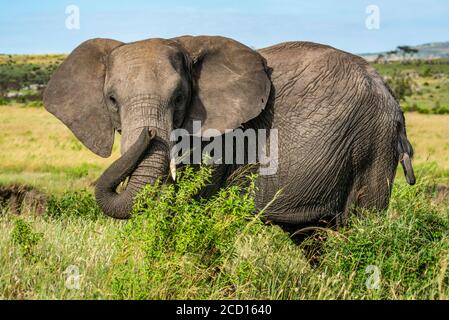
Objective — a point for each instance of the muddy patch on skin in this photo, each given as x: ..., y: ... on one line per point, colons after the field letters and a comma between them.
x: 22, y: 198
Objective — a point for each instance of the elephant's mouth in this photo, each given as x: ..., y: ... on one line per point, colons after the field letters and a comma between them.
x: 143, y: 163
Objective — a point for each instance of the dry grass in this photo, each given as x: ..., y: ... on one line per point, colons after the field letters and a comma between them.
x: 429, y: 135
x: 32, y: 58
x: 67, y: 248
x: 37, y: 149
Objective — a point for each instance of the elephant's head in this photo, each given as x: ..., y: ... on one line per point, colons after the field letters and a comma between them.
x: 144, y: 90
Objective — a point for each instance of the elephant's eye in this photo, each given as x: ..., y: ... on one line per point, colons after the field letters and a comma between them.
x: 114, y: 104
x: 178, y: 100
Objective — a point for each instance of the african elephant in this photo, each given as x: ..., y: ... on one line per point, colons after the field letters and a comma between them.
x: 340, y: 131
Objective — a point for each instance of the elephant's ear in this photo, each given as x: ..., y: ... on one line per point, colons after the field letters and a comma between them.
x: 230, y: 83
x: 74, y: 95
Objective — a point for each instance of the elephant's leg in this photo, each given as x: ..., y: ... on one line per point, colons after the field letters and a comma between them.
x: 372, y: 188
x: 303, y: 216
x: 303, y: 223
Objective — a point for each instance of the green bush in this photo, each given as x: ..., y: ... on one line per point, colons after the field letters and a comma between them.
x: 427, y: 72
x: 179, y: 246
x: 25, y: 238
x: 401, y: 84
x: 34, y: 104
x: 440, y: 109
x: 78, y: 204
x: 16, y: 77
x: 407, y: 107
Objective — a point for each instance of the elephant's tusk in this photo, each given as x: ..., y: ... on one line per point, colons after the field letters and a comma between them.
x: 173, y: 169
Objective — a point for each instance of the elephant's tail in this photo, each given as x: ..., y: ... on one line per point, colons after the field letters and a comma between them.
x: 405, y: 150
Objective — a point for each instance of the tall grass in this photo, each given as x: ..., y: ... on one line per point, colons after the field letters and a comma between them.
x: 179, y: 246
x: 408, y: 245
x: 72, y: 248
x: 39, y: 150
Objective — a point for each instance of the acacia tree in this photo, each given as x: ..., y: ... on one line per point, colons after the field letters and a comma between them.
x: 391, y: 53
x: 407, y: 50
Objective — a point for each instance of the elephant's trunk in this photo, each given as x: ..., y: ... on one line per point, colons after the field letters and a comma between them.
x: 144, y: 162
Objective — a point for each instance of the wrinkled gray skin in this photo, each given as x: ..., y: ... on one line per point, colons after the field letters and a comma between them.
x: 341, y: 132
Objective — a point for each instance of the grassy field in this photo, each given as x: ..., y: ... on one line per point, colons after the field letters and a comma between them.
x: 72, y: 251
x: 44, y: 153
x: 32, y: 58
x: 428, y: 81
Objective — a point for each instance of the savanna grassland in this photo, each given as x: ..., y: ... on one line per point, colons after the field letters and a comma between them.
x: 56, y: 244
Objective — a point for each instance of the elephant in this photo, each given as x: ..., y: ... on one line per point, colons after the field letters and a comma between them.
x: 340, y: 131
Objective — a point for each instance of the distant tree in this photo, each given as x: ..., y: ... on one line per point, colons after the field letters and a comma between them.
x: 14, y: 77
x: 407, y: 50
x: 391, y: 53
x: 401, y: 84
x: 380, y: 59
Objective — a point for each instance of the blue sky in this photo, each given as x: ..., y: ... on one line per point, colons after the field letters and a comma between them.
x: 30, y: 26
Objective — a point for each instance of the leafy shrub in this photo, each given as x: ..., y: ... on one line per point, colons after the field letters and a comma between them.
x: 15, y: 77
x: 440, y: 109
x: 427, y: 72
x: 401, y: 84
x: 179, y: 246
x: 423, y: 110
x: 25, y: 238
x: 407, y: 107
x: 78, y: 204
x: 34, y: 104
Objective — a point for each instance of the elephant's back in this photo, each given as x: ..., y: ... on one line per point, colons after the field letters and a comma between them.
x: 298, y: 65
x: 297, y: 53
x: 318, y: 82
